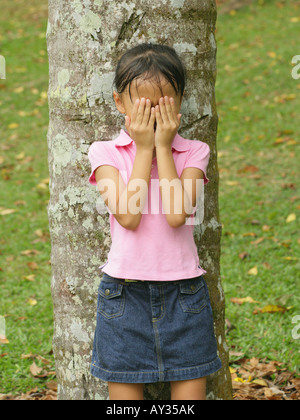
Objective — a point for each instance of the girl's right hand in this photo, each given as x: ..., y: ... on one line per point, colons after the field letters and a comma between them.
x: 141, y: 125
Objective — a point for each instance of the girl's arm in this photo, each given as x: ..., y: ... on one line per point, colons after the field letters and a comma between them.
x: 178, y: 201
x: 120, y: 200
x: 120, y: 197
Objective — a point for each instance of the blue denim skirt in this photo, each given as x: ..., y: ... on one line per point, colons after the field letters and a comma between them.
x: 151, y: 331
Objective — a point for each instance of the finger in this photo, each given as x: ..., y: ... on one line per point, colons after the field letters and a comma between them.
x: 158, y: 115
x: 147, y: 112
x: 169, y: 109
x: 163, y: 111
x: 135, y: 110
x: 152, y: 117
x: 173, y: 108
x: 127, y: 123
x: 140, y: 112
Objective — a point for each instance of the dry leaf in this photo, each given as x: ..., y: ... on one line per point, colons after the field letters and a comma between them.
x: 243, y: 255
x: 30, y: 252
x: 291, y: 218
x: 259, y: 382
x: 31, y: 277
x: 253, y: 271
x: 32, y: 301
x: 3, y: 339
x: 4, y: 212
x: 249, y: 234
x: 32, y: 265
x: 13, y: 125
x: 232, y: 183
x: 271, y: 309
x: 35, y: 370
x: 240, y: 301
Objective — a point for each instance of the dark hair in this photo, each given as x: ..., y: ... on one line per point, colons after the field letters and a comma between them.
x: 150, y: 61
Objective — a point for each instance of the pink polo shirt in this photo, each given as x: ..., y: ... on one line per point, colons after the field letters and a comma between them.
x: 155, y: 250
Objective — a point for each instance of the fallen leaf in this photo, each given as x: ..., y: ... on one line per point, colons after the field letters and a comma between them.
x: 35, y: 370
x: 13, y: 125
x: 32, y: 265
x: 271, y: 309
x: 249, y: 234
x: 243, y: 255
x: 259, y: 382
x: 248, y: 168
x: 3, y: 339
x: 19, y: 89
x: 232, y: 183
x: 4, y: 212
x: 30, y: 252
x: 253, y: 271
x: 31, y: 277
x: 20, y: 156
x: 291, y: 218
x: 240, y: 301
x: 52, y: 385
x: 32, y: 301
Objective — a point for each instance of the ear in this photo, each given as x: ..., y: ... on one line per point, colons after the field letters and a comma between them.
x: 119, y: 103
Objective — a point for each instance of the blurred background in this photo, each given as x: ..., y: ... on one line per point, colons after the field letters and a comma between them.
x: 257, y: 93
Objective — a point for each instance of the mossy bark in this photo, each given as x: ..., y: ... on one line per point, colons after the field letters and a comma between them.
x: 85, y: 39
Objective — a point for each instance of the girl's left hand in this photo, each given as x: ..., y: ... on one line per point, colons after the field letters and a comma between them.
x: 168, y: 122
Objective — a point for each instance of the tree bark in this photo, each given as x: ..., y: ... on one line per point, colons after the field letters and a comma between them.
x: 85, y: 39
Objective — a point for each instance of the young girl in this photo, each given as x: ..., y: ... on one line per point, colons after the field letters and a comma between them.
x: 154, y: 317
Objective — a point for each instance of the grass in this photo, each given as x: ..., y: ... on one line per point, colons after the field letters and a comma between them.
x: 23, y: 183
x: 258, y: 156
x: 258, y: 148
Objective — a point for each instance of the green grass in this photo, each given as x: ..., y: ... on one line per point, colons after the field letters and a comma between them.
x: 258, y: 107
x: 255, y: 108
x: 24, y: 165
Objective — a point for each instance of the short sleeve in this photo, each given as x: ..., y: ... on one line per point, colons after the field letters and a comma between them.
x: 100, y: 153
x: 198, y: 157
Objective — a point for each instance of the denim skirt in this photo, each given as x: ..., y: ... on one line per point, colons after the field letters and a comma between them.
x: 152, y: 331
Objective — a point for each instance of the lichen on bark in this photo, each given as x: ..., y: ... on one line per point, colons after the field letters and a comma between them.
x: 85, y: 39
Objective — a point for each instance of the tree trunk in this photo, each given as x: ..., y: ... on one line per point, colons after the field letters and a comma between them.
x: 85, y: 39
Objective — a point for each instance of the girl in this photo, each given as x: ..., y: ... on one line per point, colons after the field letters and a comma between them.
x: 154, y: 317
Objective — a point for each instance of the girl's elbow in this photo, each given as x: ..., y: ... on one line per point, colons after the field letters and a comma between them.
x: 176, y: 220
x: 130, y: 223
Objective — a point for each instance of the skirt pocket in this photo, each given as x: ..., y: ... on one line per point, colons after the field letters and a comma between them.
x: 111, y: 301
x: 192, y: 295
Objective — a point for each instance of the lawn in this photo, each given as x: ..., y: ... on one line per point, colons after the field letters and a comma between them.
x: 258, y: 155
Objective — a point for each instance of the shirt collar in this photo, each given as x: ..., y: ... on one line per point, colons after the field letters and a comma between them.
x: 179, y: 143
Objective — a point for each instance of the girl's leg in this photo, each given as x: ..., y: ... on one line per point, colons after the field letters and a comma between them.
x: 194, y: 389
x: 120, y: 391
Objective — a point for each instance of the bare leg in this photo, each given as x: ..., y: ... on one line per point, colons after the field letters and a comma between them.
x: 120, y: 391
x: 194, y: 389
